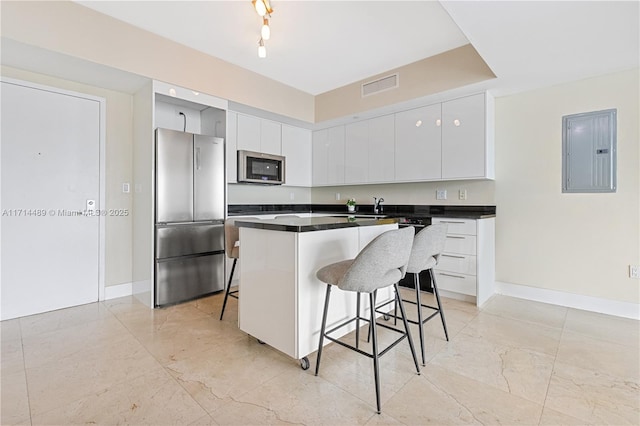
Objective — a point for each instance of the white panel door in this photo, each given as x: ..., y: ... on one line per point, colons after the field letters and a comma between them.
x: 50, y: 169
x: 382, y: 149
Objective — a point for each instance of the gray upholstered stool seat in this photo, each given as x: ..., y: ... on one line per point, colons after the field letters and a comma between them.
x: 382, y: 263
x: 232, y: 248
x: 428, y: 245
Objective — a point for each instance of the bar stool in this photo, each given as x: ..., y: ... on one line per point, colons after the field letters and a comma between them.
x: 232, y: 249
x: 428, y: 245
x: 382, y: 263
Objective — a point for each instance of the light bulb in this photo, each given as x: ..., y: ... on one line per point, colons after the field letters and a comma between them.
x: 266, y: 31
x: 261, y: 8
x: 262, y: 51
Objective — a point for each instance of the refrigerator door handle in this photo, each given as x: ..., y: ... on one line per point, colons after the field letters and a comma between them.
x: 198, y: 158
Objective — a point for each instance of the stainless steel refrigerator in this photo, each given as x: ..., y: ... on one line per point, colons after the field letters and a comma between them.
x: 189, y: 225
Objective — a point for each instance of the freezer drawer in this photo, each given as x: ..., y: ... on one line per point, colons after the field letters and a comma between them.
x: 182, y: 279
x: 185, y: 239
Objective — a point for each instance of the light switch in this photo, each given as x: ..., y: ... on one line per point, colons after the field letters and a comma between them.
x: 125, y: 188
x: 441, y: 194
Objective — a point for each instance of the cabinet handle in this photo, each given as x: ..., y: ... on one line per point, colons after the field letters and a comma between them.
x: 451, y: 275
x: 451, y: 221
x: 456, y: 237
x: 450, y: 255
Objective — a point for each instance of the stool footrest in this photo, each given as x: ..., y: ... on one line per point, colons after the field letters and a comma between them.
x: 360, y: 351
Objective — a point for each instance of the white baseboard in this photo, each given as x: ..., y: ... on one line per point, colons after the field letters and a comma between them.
x: 120, y: 290
x: 578, y: 301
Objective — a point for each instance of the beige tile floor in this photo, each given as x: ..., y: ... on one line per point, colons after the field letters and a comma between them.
x: 513, y: 362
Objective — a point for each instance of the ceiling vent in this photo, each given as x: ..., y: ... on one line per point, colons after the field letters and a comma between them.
x: 380, y: 85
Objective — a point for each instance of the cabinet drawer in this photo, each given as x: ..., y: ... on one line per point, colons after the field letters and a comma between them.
x: 460, y: 263
x: 457, y: 283
x: 458, y: 226
x: 460, y: 244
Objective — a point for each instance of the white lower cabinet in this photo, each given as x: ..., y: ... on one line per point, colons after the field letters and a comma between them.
x: 467, y: 265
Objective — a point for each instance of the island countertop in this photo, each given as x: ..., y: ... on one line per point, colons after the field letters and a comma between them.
x: 308, y: 224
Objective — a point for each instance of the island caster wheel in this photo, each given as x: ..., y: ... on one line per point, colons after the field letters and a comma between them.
x: 304, y: 363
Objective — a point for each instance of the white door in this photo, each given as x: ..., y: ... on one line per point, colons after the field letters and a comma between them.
x: 50, y: 170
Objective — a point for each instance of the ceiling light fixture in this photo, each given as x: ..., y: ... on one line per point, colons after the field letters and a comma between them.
x: 266, y: 31
x: 262, y: 7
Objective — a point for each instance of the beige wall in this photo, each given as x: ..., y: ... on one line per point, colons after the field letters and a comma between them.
x: 118, y: 169
x: 575, y: 243
x: 74, y: 30
x: 479, y: 192
x: 449, y: 70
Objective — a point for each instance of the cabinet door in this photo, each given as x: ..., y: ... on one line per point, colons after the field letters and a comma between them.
x: 296, y: 148
x: 319, y: 156
x: 249, y: 133
x: 463, y: 138
x: 418, y: 144
x: 335, y: 156
x: 231, y: 146
x: 356, y: 152
x: 270, y: 137
x: 382, y: 149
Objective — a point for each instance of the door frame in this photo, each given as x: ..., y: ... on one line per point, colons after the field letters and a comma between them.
x: 101, y: 165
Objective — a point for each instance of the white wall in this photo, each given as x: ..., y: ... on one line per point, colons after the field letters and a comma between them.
x: 574, y: 243
x: 118, y: 169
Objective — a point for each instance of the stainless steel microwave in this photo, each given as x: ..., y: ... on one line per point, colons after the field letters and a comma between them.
x: 258, y: 167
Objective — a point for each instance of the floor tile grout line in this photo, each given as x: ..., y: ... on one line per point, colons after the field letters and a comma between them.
x: 24, y: 369
x: 553, y: 368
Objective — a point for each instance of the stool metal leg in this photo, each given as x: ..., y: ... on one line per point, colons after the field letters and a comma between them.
x: 374, y: 344
x: 416, y: 283
x: 358, y: 320
x: 323, y: 327
x: 226, y: 294
x: 435, y: 291
x: 406, y: 327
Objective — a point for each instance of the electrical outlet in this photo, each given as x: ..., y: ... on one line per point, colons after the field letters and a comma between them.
x: 125, y: 188
x: 634, y: 271
x: 292, y: 196
x: 441, y: 194
x: 337, y: 196
x: 462, y: 194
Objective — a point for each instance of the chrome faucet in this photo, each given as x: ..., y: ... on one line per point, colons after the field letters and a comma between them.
x: 377, y: 205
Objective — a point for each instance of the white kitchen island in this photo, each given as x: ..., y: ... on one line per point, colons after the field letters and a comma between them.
x: 281, y: 300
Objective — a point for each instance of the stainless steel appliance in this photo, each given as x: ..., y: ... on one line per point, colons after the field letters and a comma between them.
x: 189, y: 225
x: 258, y: 167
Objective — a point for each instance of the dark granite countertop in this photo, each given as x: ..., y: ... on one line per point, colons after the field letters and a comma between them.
x: 398, y: 210
x: 307, y: 224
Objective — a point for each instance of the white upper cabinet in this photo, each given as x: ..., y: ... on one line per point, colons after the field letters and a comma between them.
x: 418, y: 144
x: 369, y: 151
x: 382, y: 149
x: 296, y: 148
x: 231, y: 146
x: 270, y: 137
x: 248, y: 133
x: 465, y: 145
x: 259, y: 135
x: 328, y: 156
x: 356, y: 152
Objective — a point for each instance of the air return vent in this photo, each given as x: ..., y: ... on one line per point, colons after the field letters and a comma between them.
x: 380, y: 85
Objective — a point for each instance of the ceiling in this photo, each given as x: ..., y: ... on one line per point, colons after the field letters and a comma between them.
x: 317, y: 46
